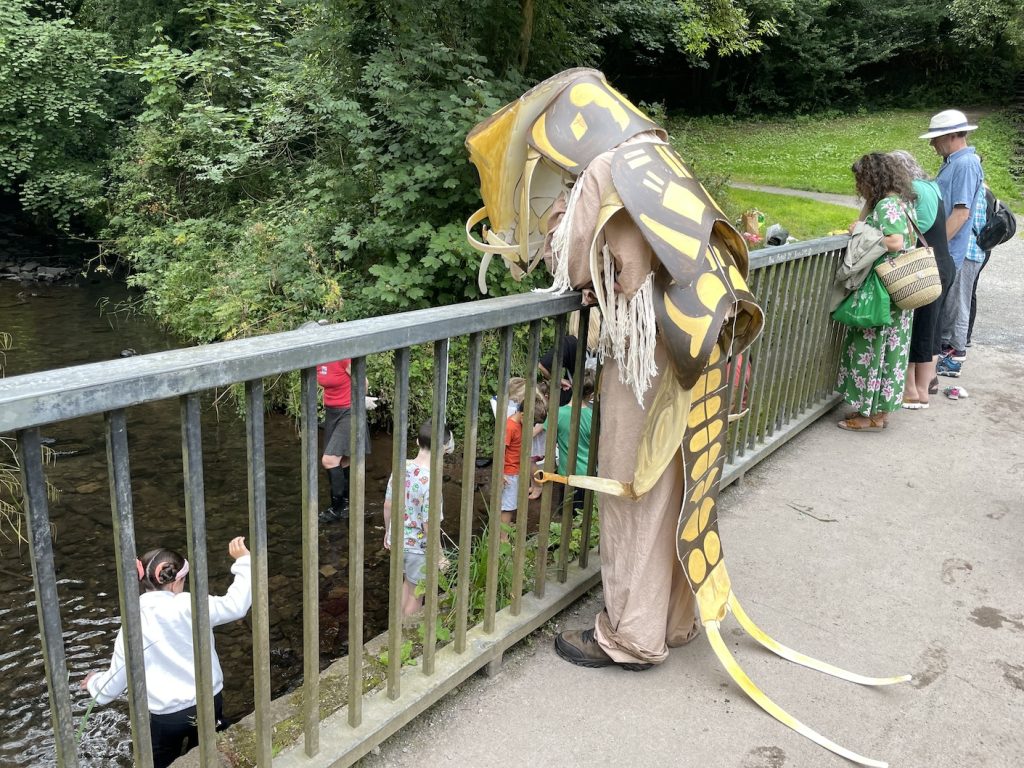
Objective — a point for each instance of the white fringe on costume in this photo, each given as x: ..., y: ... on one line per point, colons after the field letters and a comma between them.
x: 628, y: 330
x: 560, y: 242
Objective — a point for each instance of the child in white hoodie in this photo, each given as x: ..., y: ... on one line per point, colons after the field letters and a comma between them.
x: 166, y: 612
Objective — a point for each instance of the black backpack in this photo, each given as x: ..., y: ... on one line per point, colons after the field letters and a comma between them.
x: 1000, y: 224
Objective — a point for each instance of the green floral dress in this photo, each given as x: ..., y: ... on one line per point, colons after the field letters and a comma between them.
x: 874, y: 360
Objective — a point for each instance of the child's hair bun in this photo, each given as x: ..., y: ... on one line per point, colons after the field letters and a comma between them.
x: 165, y: 572
x: 159, y: 567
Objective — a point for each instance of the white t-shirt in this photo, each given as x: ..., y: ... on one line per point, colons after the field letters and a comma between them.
x: 167, y: 645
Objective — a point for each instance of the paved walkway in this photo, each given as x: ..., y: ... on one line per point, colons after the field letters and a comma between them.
x: 883, y: 553
x: 850, y: 201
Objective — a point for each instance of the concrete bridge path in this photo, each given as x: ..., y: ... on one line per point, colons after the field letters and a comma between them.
x: 901, y: 551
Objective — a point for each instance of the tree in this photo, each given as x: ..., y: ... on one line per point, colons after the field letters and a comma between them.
x: 989, y: 23
x: 53, y: 113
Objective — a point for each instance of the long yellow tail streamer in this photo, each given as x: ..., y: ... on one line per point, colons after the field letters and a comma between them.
x: 798, y: 658
x: 773, y: 709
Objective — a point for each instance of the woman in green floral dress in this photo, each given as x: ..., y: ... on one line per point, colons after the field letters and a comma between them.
x: 874, y: 360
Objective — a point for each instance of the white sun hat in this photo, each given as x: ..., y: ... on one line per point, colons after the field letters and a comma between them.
x: 949, y: 121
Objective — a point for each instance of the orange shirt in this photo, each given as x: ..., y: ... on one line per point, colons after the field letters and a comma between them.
x: 513, y: 445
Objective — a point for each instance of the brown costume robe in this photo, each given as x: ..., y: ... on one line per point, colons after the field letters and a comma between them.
x: 649, y: 605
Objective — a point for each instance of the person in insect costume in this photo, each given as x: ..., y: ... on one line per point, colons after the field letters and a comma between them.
x: 576, y: 175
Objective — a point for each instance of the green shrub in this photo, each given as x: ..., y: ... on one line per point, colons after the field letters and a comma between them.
x: 54, y: 129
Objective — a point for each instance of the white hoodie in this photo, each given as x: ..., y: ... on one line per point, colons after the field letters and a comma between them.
x: 167, y: 640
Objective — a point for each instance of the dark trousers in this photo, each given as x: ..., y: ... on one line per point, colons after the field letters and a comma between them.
x: 175, y: 734
x: 974, y: 296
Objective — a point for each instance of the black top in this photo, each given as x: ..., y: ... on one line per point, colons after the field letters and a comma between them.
x: 936, y: 237
x: 569, y: 344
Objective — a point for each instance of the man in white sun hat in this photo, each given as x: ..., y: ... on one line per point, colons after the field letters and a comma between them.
x: 960, y: 181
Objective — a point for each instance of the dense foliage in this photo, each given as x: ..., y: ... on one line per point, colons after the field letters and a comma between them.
x: 828, y: 54
x: 53, y: 112
x: 255, y: 164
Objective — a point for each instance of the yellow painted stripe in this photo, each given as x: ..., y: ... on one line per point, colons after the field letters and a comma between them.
x: 544, y: 146
x: 685, y: 244
x: 683, y: 202
x: 583, y: 94
x: 710, y: 290
x: 696, y: 327
x: 673, y: 161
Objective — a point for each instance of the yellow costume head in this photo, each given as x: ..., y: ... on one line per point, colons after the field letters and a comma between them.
x: 530, y: 151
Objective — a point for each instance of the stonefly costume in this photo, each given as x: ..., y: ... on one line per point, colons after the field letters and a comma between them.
x: 573, y: 172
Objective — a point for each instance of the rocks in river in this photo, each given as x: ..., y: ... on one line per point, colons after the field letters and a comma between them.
x: 33, y: 271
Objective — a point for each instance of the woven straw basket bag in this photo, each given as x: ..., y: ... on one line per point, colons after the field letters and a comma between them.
x: 911, y: 277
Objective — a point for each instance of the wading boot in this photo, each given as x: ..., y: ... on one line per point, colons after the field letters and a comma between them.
x: 338, y: 477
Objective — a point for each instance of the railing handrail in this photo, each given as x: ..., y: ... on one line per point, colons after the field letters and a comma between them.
x: 776, y: 254
x: 34, y: 399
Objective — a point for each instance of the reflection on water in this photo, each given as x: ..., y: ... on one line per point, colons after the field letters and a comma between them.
x: 55, y: 326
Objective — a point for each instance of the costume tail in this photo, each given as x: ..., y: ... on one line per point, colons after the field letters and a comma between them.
x: 773, y: 709
x: 798, y: 658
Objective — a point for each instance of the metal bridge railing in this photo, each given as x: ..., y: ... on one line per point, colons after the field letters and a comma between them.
x: 792, y: 369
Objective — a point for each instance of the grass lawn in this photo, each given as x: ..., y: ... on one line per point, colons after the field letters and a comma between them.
x: 805, y: 219
x: 815, y: 152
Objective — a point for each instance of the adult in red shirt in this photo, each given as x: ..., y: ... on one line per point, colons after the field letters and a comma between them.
x: 336, y: 380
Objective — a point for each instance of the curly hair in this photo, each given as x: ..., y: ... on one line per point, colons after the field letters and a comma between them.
x: 878, y: 175
x: 159, y: 567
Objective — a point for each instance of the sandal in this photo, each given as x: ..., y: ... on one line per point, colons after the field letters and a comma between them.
x: 933, y: 388
x: 874, y: 424
x: 912, y: 405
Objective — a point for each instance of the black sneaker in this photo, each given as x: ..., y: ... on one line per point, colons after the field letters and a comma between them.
x: 332, y: 515
x: 583, y: 650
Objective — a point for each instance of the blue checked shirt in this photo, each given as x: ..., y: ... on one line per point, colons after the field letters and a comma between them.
x: 978, y: 219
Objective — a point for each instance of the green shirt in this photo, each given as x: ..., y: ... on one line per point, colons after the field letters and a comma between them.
x: 582, y: 448
x: 927, y: 205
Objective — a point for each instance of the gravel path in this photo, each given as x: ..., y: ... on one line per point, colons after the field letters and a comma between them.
x: 849, y: 201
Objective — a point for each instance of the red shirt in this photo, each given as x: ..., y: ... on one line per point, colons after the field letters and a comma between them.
x: 336, y: 380
x: 513, y: 445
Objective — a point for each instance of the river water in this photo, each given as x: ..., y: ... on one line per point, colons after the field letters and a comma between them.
x: 61, y: 325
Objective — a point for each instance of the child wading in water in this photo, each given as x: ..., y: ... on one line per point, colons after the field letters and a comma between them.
x: 166, y: 612
x: 416, y: 516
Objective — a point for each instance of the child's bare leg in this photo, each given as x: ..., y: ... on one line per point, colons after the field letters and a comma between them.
x: 506, y: 519
x: 410, y: 602
x: 535, y: 490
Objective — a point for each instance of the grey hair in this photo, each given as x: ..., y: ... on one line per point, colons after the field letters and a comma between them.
x: 909, y: 163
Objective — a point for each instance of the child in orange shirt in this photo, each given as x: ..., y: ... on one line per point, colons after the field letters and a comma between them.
x: 510, y: 478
